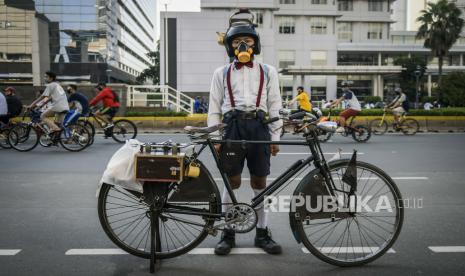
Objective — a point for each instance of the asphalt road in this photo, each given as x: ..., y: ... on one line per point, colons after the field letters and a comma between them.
x: 48, y: 207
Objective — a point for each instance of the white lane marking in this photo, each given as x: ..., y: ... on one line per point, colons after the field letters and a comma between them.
x: 343, y: 250
x: 308, y: 153
x: 363, y: 178
x: 447, y: 249
x: 96, y: 251
x: 210, y: 251
x: 9, y: 252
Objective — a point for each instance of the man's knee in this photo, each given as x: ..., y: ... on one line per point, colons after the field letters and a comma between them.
x: 258, y: 182
x: 235, y: 181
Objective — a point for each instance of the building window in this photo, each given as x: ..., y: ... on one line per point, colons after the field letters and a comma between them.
x: 286, y: 58
x: 318, y: 25
x: 319, y: 2
x: 375, y: 5
x: 344, y: 31
x: 375, y: 31
x: 318, y: 58
x: 286, y: 25
x: 286, y: 1
x: 258, y: 18
x: 345, y: 5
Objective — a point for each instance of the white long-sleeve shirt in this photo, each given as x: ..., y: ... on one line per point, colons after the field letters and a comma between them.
x: 245, y: 83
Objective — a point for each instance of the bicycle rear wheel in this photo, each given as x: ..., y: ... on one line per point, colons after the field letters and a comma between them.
x: 123, y: 130
x: 344, y: 239
x: 378, y: 126
x: 75, y: 137
x: 409, y: 126
x: 125, y: 215
x: 90, y: 127
x: 23, y: 137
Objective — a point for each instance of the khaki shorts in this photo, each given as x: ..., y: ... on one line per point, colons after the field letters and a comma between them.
x: 398, y: 111
x: 59, y: 116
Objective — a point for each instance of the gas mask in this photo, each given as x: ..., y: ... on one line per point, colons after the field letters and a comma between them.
x: 243, y: 52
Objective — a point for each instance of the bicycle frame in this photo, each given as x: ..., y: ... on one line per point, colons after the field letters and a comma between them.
x: 316, y: 156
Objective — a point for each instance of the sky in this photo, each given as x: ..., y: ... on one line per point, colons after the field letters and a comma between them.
x: 176, y: 5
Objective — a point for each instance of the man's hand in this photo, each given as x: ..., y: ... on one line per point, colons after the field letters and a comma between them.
x: 274, y: 149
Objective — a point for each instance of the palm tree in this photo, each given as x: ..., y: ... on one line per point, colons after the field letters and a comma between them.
x: 441, y: 26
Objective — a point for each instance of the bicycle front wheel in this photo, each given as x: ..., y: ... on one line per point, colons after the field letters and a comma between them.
x: 343, y: 238
x: 90, y: 127
x: 123, y: 130
x: 361, y: 133
x: 409, y: 126
x: 378, y: 126
x: 125, y: 215
x: 23, y: 137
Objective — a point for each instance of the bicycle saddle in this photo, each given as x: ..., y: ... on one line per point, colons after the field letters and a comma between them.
x: 206, y: 130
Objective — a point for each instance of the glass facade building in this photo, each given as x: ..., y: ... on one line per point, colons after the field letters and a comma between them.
x: 86, y: 40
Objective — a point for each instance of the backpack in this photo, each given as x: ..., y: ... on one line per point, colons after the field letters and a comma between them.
x: 115, y: 96
x: 406, y: 105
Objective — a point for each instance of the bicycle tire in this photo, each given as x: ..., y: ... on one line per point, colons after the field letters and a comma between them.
x: 319, y: 250
x: 199, y: 187
x: 121, y: 127
x: 378, y: 126
x: 361, y: 133
x: 20, y: 134
x: 90, y: 127
x: 80, y: 136
x: 409, y: 126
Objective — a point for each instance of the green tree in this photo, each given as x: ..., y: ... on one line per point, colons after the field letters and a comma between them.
x: 453, y: 89
x: 407, y: 76
x: 441, y: 25
x: 153, y: 71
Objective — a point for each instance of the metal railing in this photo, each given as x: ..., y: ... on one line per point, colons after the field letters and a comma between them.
x: 163, y: 96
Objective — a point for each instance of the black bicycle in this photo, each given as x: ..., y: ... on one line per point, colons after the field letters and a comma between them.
x: 120, y: 130
x: 164, y: 220
x: 25, y: 136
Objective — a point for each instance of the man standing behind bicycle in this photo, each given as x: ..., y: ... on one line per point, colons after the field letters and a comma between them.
x: 352, y: 105
x: 242, y: 92
x: 399, y: 105
x: 58, y: 103
x: 110, y: 106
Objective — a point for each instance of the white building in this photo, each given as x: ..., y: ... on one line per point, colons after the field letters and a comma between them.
x: 315, y: 43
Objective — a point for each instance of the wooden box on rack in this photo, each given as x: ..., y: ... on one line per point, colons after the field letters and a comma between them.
x: 159, y: 168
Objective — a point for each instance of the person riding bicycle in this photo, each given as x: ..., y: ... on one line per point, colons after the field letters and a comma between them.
x: 110, y: 103
x: 14, y: 105
x: 55, y: 97
x: 399, y: 105
x: 303, y: 99
x: 352, y: 106
x: 78, y: 105
x: 241, y: 94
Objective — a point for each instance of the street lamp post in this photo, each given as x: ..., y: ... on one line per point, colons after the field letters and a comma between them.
x: 417, y: 90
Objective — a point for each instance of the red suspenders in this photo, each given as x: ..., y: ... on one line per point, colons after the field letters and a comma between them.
x: 260, y: 87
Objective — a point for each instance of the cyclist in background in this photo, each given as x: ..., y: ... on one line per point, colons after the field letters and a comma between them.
x: 110, y: 103
x: 399, y: 105
x: 78, y: 105
x: 55, y: 97
x: 15, y: 106
x: 352, y: 106
x: 303, y: 99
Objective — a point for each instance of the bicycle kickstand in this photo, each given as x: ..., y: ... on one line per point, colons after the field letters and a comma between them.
x: 155, y: 243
